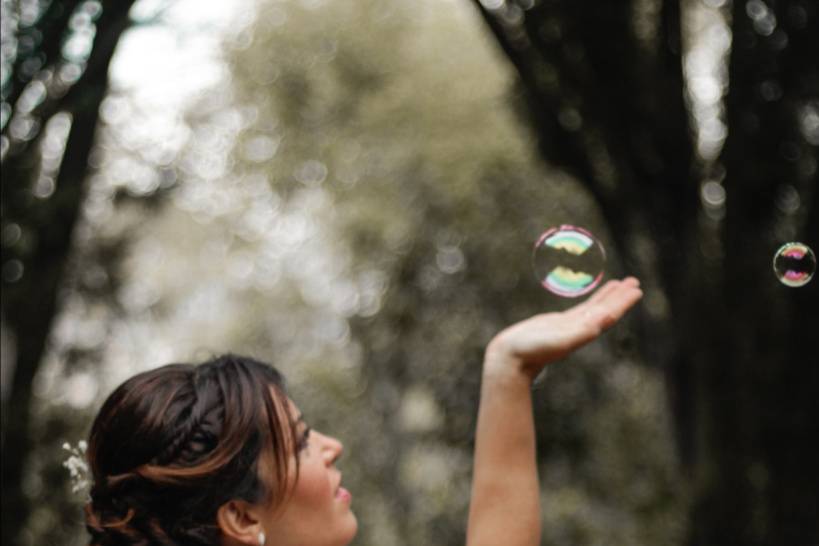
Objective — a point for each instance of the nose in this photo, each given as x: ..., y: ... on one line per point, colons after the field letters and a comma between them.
x: 332, y: 448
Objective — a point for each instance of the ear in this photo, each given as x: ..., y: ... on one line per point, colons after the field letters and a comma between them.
x: 239, y: 522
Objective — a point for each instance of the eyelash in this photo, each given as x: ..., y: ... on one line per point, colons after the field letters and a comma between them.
x: 304, y: 439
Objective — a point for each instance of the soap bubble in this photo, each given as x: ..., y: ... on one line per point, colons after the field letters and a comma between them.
x: 794, y: 264
x: 568, y: 261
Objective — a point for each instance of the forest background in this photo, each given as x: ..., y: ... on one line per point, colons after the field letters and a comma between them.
x: 351, y: 191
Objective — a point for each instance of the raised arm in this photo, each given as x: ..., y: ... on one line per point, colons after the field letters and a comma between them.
x: 505, y: 507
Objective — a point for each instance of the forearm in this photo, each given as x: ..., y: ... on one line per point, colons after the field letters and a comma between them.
x: 505, y: 505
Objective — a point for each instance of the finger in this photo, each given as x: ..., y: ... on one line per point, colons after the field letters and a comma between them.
x: 606, y: 289
x: 627, y: 284
x: 611, y: 286
x: 615, y: 305
x: 625, y: 299
x: 609, y: 309
x: 619, y: 295
x: 586, y: 308
x: 631, y: 281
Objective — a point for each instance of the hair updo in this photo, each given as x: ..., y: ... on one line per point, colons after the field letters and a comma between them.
x: 171, y: 445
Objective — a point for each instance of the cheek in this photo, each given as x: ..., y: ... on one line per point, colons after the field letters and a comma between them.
x: 313, y: 487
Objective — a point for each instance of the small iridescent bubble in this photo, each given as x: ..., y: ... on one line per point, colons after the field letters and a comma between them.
x: 794, y: 264
x: 568, y: 261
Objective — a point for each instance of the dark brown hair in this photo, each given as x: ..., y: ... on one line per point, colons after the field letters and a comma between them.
x: 171, y: 445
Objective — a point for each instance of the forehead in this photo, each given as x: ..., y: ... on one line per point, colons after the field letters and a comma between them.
x: 290, y: 406
x: 289, y: 423
x: 293, y: 409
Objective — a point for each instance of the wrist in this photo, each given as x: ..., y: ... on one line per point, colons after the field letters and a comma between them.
x: 501, y: 366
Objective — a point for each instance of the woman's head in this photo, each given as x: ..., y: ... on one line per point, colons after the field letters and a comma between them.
x: 212, y: 454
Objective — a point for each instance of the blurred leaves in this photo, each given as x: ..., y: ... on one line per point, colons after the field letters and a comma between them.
x: 355, y: 201
x: 431, y: 184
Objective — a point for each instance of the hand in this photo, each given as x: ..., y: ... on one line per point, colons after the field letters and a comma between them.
x: 533, y: 343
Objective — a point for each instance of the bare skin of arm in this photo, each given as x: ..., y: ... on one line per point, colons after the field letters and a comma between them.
x: 505, y: 507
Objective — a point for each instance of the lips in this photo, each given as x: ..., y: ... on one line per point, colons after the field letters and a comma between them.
x: 343, y: 495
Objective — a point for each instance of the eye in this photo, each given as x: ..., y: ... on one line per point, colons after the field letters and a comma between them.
x: 304, y: 440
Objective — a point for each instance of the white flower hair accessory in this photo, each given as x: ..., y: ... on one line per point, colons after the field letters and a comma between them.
x: 77, y: 466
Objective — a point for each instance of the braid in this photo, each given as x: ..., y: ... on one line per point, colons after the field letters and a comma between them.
x: 199, y: 427
x: 190, y: 419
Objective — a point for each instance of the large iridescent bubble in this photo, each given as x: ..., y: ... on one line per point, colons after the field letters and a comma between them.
x: 794, y: 264
x: 568, y: 261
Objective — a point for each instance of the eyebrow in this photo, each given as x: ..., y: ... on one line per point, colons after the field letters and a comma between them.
x: 305, y: 433
x: 300, y: 419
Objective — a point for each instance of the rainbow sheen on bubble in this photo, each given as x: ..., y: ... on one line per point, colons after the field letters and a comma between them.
x: 794, y: 264
x: 568, y: 261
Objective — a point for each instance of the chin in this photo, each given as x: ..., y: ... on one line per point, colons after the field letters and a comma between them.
x: 351, y: 528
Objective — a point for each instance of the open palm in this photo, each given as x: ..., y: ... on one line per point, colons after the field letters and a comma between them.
x: 548, y: 337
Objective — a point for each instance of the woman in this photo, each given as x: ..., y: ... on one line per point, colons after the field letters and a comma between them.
x: 217, y: 454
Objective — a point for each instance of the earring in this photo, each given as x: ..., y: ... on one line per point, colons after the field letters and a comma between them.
x: 262, y: 538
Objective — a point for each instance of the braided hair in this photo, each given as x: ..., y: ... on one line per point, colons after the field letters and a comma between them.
x: 171, y: 445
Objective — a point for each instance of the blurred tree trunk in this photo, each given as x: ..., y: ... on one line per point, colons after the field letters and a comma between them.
x: 604, y: 90
x: 34, y: 260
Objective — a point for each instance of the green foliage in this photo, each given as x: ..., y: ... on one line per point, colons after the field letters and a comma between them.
x: 433, y: 189
x: 357, y: 205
